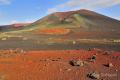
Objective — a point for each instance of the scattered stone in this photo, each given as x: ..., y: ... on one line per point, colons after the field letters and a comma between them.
x: 109, y: 65
x: 107, y: 53
x: 47, y: 59
x: 89, y: 49
x: 74, y: 42
x: 77, y: 63
x: 96, y: 54
x: 116, y: 70
x: 68, y: 69
x: 18, y: 51
x: 93, y: 58
x: 95, y: 49
x: 93, y: 75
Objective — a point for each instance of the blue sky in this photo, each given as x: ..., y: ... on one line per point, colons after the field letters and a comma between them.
x: 13, y: 11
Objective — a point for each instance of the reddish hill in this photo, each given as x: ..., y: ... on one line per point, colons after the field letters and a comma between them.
x: 17, y: 25
x: 12, y: 27
x: 84, y: 21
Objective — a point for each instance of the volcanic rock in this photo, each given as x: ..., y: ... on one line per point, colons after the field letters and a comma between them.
x: 110, y: 65
x: 77, y: 63
x: 93, y: 58
x: 94, y: 75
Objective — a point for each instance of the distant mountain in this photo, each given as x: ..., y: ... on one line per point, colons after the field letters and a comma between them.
x: 88, y: 20
x: 74, y: 24
x: 13, y: 27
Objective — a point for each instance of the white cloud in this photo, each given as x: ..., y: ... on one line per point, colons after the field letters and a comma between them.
x: 14, y: 21
x: 116, y: 17
x: 52, y: 10
x: 86, y: 4
x: 5, y: 2
x: 24, y: 21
